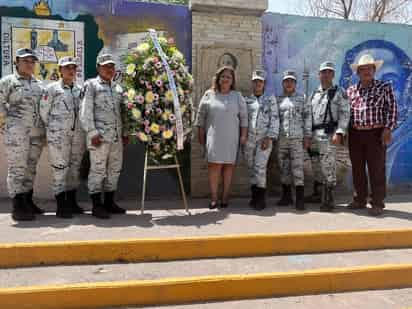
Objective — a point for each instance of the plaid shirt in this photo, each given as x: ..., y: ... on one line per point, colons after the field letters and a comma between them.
x: 375, y: 105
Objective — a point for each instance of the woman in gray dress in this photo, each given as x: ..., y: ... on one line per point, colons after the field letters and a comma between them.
x: 222, y: 121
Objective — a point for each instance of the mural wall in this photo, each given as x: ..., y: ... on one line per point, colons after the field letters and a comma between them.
x: 84, y: 29
x: 302, y: 43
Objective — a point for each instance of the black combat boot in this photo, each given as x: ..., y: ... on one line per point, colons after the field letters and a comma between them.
x: 316, y: 196
x: 64, y: 209
x: 98, y: 209
x: 300, y: 198
x: 286, y: 198
x: 22, y: 211
x: 110, y: 205
x: 252, y: 202
x: 328, y: 201
x: 29, y: 201
x: 71, y: 200
x: 261, y: 199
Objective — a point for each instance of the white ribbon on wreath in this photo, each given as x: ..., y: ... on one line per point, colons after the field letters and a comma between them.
x: 172, y: 84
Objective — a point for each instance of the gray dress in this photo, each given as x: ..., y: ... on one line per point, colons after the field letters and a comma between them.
x: 222, y: 115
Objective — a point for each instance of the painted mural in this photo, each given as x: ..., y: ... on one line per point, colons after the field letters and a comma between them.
x: 50, y: 39
x: 85, y: 29
x: 302, y: 43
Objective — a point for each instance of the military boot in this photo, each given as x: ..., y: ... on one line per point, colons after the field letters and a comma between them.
x: 110, y: 205
x: 286, y: 198
x: 328, y: 200
x: 71, y: 200
x: 253, y: 190
x: 260, y: 199
x: 316, y: 196
x: 64, y: 209
x: 30, y: 203
x: 21, y: 211
x: 98, y: 209
x: 300, y: 198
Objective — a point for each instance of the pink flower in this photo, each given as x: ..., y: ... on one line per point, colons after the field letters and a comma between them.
x: 139, y: 99
x: 156, y: 97
x: 129, y: 105
x: 158, y: 65
x: 147, y: 130
x: 146, y: 123
x: 172, y: 117
x: 158, y: 110
x: 147, y: 112
x: 148, y: 85
x: 159, y: 83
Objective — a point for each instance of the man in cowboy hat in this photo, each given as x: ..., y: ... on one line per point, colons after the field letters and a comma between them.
x: 373, y: 117
x: 20, y: 94
x: 330, y: 115
x: 295, y: 134
x: 263, y: 129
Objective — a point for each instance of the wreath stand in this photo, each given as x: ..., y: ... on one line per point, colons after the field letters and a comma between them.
x: 148, y: 168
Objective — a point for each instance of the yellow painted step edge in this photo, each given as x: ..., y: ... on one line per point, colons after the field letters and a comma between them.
x: 146, y: 250
x: 208, y: 288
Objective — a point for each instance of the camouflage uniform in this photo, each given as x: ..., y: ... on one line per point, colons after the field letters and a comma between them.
x: 295, y: 124
x: 323, y: 152
x: 263, y: 122
x: 24, y: 130
x: 326, y: 123
x: 101, y: 115
x: 59, y: 110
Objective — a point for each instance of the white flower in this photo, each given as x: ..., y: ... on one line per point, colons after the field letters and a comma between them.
x: 130, y: 69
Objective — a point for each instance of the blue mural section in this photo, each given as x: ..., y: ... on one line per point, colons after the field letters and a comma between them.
x: 302, y: 43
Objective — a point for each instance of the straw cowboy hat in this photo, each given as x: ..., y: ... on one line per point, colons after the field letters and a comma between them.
x: 366, y: 60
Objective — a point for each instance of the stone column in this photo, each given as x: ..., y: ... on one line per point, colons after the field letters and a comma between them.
x: 224, y: 32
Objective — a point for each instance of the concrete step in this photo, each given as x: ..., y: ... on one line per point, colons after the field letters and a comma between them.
x: 163, y: 219
x: 207, y: 288
x: 57, y: 275
x: 382, y: 299
x: 184, y: 248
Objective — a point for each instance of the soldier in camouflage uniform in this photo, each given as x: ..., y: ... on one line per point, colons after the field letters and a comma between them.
x: 20, y: 94
x: 295, y: 135
x: 263, y: 129
x: 101, y: 118
x: 330, y: 115
x: 59, y: 109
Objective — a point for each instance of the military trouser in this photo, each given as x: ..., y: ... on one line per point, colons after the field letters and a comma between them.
x: 23, y: 154
x: 291, y: 160
x: 66, y: 151
x: 257, y: 161
x: 323, y: 158
x: 105, y: 166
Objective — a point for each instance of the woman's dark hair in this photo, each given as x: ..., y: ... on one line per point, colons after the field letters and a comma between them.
x: 218, y: 74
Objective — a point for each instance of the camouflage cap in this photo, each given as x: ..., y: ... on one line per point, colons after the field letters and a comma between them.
x: 105, y: 59
x: 289, y: 74
x: 26, y: 52
x: 258, y: 75
x: 327, y: 65
x: 67, y: 61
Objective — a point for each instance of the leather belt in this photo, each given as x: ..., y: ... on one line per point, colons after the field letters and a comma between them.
x: 364, y: 128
